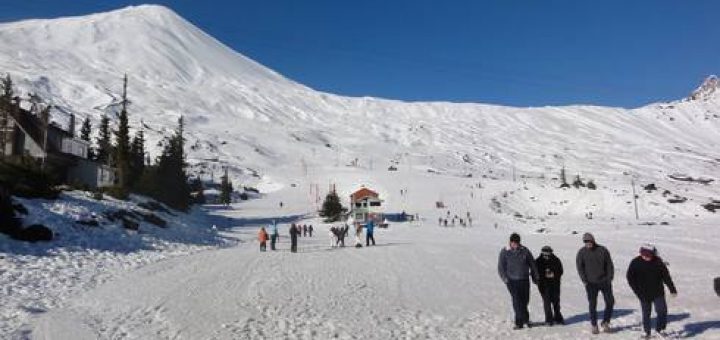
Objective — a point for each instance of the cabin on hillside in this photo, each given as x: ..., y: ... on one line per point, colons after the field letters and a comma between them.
x: 365, y: 204
x: 24, y: 136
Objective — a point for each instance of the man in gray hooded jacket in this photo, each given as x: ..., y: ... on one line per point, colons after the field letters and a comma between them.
x: 516, y: 266
x: 596, y: 271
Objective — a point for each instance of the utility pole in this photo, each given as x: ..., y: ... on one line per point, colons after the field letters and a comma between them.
x: 635, y: 197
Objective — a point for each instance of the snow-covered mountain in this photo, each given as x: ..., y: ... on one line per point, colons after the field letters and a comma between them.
x: 271, y: 130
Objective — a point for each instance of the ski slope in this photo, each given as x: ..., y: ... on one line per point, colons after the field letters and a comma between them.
x: 421, y: 281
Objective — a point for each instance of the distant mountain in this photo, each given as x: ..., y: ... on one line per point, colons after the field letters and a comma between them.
x: 271, y: 130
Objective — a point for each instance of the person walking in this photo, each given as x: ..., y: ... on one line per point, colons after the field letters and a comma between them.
x: 294, y: 231
x: 274, y: 235
x: 304, y: 230
x: 369, y: 229
x: 310, y: 230
x: 550, y: 270
x: 333, y: 237
x: 646, y: 275
x: 516, y: 266
x: 596, y: 270
x: 262, y: 237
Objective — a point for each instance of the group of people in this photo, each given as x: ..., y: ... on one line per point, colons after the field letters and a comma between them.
x: 449, y: 221
x: 646, y: 275
x: 296, y: 230
x: 338, y: 234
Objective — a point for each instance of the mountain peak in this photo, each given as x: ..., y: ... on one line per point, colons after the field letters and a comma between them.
x: 709, y: 87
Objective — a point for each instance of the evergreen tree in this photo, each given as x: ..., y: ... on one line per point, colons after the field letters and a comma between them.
x: 5, y: 106
x: 563, y: 179
x: 85, y: 135
x: 578, y: 183
x: 122, y: 140
x: 226, y: 189
x: 331, y: 207
x: 167, y: 182
x: 104, y: 145
x: 137, y: 157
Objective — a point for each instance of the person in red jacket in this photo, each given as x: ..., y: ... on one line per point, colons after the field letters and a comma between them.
x: 646, y: 275
x: 263, y: 237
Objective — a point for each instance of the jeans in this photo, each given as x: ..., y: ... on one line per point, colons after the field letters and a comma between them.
x: 592, y: 290
x: 550, y: 292
x: 520, y: 293
x: 660, y: 310
x: 293, y: 243
x: 368, y: 238
x: 273, y: 239
x: 262, y: 246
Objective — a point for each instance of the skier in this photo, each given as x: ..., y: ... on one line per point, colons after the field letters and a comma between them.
x: 310, y: 230
x: 369, y: 229
x: 596, y: 270
x: 550, y: 270
x: 274, y: 235
x: 516, y: 267
x: 294, y: 231
x: 646, y: 276
x: 717, y: 286
x: 262, y: 237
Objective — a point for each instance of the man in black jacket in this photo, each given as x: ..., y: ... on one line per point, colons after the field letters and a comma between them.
x: 596, y: 271
x: 550, y: 270
x: 646, y: 276
x: 294, y: 232
x: 516, y: 266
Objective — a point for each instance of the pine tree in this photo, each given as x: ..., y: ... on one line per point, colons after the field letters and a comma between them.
x: 166, y: 181
x: 563, y: 179
x: 104, y: 145
x: 85, y: 131
x: 122, y: 140
x: 137, y: 157
x: 331, y: 207
x: 5, y: 107
x: 226, y: 189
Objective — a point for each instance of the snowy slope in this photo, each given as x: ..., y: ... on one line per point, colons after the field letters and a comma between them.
x: 249, y: 117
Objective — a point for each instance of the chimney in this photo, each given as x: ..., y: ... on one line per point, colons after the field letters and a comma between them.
x: 71, y: 128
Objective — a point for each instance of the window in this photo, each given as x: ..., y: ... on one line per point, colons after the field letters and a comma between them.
x: 375, y: 204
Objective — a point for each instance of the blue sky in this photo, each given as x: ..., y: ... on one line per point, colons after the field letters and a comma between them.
x: 512, y: 52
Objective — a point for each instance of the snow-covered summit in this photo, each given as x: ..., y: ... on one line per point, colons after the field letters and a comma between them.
x: 272, y: 130
x: 709, y: 87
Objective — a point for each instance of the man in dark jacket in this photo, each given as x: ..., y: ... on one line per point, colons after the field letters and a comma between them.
x: 516, y: 266
x: 550, y: 270
x: 646, y: 276
x: 294, y: 232
x: 717, y: 286
x: 596, y: 271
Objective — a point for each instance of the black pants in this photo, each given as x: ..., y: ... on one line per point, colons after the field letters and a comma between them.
x: 273, y: 239
x: 263, y: 246
x: 520, y: 293
x: 369, y: 237
x: 592, y: 290
x: 660, y: 310
x: 550, y: 292
x: 293, y: 243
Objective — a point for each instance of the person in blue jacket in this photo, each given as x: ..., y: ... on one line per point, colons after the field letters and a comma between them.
x: 369, y: 228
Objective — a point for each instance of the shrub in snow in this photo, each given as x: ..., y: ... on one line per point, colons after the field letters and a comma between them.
x: 591, y: 185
